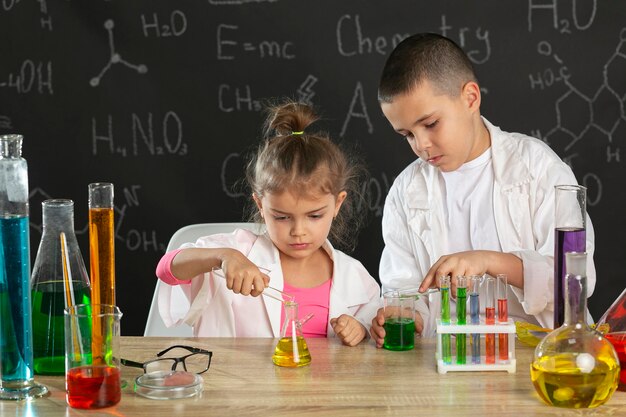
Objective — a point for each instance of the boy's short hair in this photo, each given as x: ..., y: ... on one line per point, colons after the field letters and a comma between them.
x: 425, y: 56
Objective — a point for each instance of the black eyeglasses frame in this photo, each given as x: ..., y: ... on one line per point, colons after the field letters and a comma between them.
x: 181, y: 359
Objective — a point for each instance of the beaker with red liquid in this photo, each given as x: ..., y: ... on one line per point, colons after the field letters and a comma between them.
x: 92, y: 360
x: 93, y: 386
x: 615, y: 317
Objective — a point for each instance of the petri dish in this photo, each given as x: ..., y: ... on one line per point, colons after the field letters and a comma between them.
x: 168, y: 385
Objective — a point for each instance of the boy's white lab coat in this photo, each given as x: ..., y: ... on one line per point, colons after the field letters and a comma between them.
x: 215, y: 310
x: 525, y: 173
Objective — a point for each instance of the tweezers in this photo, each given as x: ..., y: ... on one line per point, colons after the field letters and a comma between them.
x: 413, y: 291
x: 270, y: 291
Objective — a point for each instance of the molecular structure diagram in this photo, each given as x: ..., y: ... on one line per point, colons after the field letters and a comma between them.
x: 115, y: 58
x: 602, y: 114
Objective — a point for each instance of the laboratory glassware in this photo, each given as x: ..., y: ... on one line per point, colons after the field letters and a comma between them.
x: 574, y: 366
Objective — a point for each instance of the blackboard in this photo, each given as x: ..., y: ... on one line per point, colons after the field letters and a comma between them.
x: 163, y: 99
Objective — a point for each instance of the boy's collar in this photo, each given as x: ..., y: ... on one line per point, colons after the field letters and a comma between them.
x: 508, y: 171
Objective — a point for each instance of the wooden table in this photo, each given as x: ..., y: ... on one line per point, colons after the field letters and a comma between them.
x: 341, y: 381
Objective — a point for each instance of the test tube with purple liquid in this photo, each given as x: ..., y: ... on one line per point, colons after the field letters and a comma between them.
x: 569, y: 236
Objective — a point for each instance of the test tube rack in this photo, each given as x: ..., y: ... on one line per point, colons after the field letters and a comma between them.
x: 508, y: 365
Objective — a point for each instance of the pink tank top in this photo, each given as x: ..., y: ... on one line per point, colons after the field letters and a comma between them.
x: 311, y: 300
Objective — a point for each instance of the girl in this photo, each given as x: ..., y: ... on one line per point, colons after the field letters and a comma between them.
x: 302, y: 185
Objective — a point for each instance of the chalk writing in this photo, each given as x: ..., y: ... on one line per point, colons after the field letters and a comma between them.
x: 231, y: 99
x: 176, y: 25
x: 594, y: 185
x: 143, y: 136
x: 478, y: 55
x: 305, y: 90
x: 133, y: 239
x: 227, y: 47
x: 46, y: 19
x: 232, y: 167
x: 375, y: 190
x: 597, y: 116
x: 8, y: 5
x: 114, y: 57
x: 357, y: 109
x: 548, y: 77
x: 563, y: 25
x: 32, y: 77
x: 348, y: 32
x: 577, y: 113
x: 5, y: 122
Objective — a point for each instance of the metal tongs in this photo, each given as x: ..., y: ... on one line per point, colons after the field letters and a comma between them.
x: 270, y: 291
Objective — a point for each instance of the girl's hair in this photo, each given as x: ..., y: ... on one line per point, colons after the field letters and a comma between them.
x: 295, y: 159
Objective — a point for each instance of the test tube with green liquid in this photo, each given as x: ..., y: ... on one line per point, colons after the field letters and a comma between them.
x: 444, y: 286
x: 461, y: 317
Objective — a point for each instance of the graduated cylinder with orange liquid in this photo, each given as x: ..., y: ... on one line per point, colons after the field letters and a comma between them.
x: 101, y: 254
x: 101, y: 243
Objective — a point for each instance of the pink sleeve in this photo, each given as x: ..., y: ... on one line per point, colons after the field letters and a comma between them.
x: 164, y: 269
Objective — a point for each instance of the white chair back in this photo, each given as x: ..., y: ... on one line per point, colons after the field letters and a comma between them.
x: 154, y: 324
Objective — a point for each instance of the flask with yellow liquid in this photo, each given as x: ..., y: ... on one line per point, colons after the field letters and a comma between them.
x: 575, y: 366
x: 291, y: 350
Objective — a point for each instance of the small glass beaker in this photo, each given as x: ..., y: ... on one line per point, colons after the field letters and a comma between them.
x: 291, y: 350
x: 399, y: 311
x: 92, y: 360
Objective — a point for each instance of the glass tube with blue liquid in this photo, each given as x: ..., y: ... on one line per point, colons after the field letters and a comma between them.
x: 474, y: 286
x: 16, y: 342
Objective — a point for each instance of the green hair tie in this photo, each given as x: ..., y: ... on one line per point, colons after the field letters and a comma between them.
x: 297, y: 133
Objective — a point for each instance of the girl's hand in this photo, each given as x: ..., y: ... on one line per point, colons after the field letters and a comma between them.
x: 349, y: 330
x: 242, y: 276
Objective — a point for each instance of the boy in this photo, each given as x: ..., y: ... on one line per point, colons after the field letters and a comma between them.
x: 477, y: 200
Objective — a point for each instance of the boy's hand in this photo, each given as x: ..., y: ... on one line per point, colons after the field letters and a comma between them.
x: 349, y: 330
x: 461, y: 263
x: 475, y: 262
x: 377, y: 330
x: 242, y: 276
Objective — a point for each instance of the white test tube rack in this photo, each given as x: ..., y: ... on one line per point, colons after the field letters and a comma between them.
x: 508, y: 365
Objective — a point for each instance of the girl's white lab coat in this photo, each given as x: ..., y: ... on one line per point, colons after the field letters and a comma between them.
x: 215, y: 310
x: 525, y: 173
